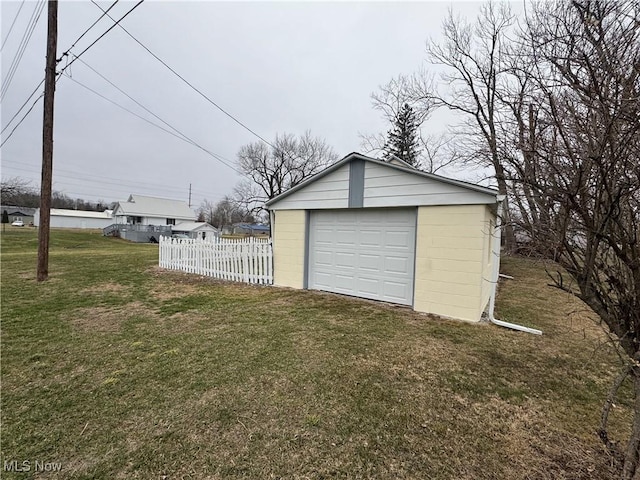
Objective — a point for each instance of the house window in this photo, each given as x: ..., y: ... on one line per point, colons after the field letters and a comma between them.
x: 16, y: 218
x: 134, y: 220
x: 171, y: 221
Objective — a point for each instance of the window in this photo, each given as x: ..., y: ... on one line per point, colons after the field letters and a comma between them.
x: 171, y: 221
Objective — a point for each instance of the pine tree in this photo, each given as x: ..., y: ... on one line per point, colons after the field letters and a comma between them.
x: 402, y: 139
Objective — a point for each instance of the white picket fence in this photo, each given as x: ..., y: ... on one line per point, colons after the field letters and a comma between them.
x: 241, y: 260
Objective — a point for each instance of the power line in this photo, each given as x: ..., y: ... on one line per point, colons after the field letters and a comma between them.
x: 12, y: 24
x: 23, y: 105
x: 190, y: 84
x: 21, y: 120
x: 65, y: 68
x: 181, y: 135
x: 99, y: 178
x: 26, y: 37
x: 87, y: 30
x: 117, y: 23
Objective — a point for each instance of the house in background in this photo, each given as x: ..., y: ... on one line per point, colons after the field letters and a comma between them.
x: 143, y: 210
x: 62, y: 218
x: 379, y: 230
x: 145, y: 219
x: 25, y: 214
x: 195, y: 230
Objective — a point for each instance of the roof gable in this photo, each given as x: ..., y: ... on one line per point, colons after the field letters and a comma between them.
x: 144, y: 206
x: 391, y: 184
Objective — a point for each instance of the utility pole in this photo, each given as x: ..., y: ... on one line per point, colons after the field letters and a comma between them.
x: 47, y: 142
x: 189, y: 195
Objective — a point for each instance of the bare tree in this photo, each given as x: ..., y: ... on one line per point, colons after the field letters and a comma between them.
x: 270, y: 170
x: 16, y: 191
x: 473, y: 56
x: 582, y: 140
x: 226, y: 212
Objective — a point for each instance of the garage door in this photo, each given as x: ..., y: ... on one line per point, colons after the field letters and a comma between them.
x: 367, y: 253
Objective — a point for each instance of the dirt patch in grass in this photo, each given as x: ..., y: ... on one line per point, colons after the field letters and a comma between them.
x: 109, y: 319
x: 170, y: 291
x: 108, y: 287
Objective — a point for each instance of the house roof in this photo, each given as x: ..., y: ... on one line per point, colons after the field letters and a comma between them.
x: 396, y: 166
x: 143, y: 206
x: 14, y: 210
x: 193, y: 226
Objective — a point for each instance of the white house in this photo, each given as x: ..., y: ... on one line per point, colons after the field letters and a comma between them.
x: 195, y: 229
x: 61, y: 218
x: 143, y: 210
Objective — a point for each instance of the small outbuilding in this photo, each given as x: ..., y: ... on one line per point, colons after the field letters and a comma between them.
x: 195, y: 230
x: 63, y: 218
x: 386, y: 231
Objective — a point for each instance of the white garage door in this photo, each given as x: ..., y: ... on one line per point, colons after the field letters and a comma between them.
x: 367, y: 253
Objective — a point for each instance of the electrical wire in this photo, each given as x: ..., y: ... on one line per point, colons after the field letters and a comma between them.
x: 66, y: 52
x: 117, y: 23
x: 65, y: 68
x: 99, y: 179
x: 26, y: 37
x: 12, y: 24
x: 23, y: 105
x: 184, y: 139
x: 181, y: 135
x: 21, y: 120
x: 189, y: 83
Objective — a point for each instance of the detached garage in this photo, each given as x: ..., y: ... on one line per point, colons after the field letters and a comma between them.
x: 386, y: 231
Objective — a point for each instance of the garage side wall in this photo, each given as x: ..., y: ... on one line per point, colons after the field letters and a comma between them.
x: 487, y: 263
x: 289, y: 248
x: 451, y: 254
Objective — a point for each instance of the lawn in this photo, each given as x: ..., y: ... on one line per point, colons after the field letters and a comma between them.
x: 116, y: 369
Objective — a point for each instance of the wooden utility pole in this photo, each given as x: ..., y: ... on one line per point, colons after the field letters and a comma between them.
x: 189, y: 195
x: 47, y: 142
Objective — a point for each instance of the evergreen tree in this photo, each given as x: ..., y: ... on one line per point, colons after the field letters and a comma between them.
x: 402, y: 139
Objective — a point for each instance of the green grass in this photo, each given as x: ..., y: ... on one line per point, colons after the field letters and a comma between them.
x: 116, y: 369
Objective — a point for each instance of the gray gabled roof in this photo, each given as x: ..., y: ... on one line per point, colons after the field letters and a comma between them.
x: 144, y: 206
x: 408, y: 169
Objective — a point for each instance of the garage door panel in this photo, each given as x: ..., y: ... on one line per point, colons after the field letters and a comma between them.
x: 398, y: 240
x: 345, y: 260
x: 370, y: 262
x: 324, y: 258
x: 368, y: 287
x: 370, y: 237
x: 324, y: 235
x: 344, y: 283
x: 399, y: 265
x: 368, y: 253
x: 322, y: 280
x: 395, y: 290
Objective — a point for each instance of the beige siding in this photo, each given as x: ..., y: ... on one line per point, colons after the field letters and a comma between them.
x: 331, y: 191
x: 389, y: 187
x: 488, y: 256
x: 451, y: 262
x: 288, y: 248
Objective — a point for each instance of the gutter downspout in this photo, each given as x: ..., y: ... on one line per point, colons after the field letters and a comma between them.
x: 495, y: 275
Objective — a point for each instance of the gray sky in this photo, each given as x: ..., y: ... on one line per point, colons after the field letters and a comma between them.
x: 277, y: 67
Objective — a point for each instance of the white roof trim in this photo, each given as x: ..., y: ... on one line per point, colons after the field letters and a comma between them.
x: 355, y: 155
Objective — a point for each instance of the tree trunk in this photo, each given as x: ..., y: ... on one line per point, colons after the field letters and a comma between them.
x: 630, y: 470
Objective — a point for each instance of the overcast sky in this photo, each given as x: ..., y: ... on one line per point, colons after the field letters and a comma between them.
x: 277, y: 67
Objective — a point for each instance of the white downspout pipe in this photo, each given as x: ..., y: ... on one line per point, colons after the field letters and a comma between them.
x: 495, y: 275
